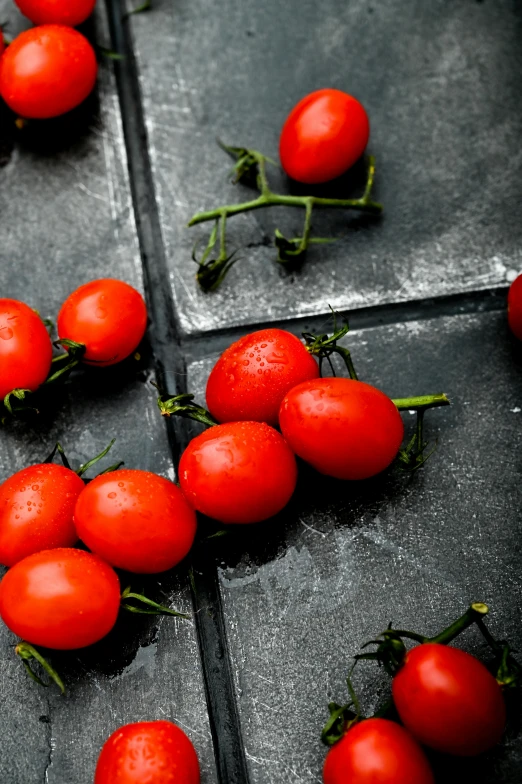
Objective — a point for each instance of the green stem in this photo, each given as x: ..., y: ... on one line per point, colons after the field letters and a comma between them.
x: 151, y: 607
x: 421, y: 402
x: 473, y: 614
x: 28, y: 652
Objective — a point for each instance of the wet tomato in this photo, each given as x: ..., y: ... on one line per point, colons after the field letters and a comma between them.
x: 63, y: 599
x: 323, y: 136
x: 62, y: 12
x: 239, y: 472
x: 250, y: 379
x: 108, y: 316
x: 36, y: 511
x: 135, y: 520
x: 47, y: 71
x: 25, y: 348
x: 515, y: 307
x: 377, y: 751
x: 344, y: 428
x: 448, y: 700
x: 156, y: 752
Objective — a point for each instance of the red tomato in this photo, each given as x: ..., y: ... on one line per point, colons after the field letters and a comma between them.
x: 515, y: 307
x: 377, y: 751
x: 344, y: 428
x: 108, y: 316
x: 62, y: 12
x: 239, y: 472
x: 250, y: 379
x: 448, y: 700
x: 323, y: 136
x: 135, y: 520
x: 25, y: 348
x: 36, y: 511
x: 47, y: 71
x: 61, y: 599
x: 155, y: 752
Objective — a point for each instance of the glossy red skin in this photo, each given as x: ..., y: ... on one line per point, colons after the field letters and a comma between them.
x: 377, y: 751
x: 251, y: 378
x: 108, y: 316
x: 62, y: 599
x: 62, y: 12
x: 515, y: 307
x: 239, y: 472
x: 449, y: 701
x: 36, y: 511
x: 323, y: 136
x: 47, y: 71
x: 25, y: 348
x: 148, y: 752
x: 345, y: 429
x: 135, y: 520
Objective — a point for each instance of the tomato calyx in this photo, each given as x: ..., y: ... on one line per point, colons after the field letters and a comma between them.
x: 28, y: 652
x: 58, y: 448
x: 182, y: 406
x: 324, y: 345
x: 150, y: 607
x: 412, y: 456
x: 342, y: 717
x: 72, y: 357
x: 10, y: 401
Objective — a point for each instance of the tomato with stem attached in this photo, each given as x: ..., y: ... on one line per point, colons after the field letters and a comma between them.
x: 63, y: 598
x: 344, y: 428
x: 63, y: 12
x: 156, y: 752
x: 515, y: 307
x: 250, y: 379
x: 47, y: 71
x: 135, y: 520
x: 107, y: 316
x: 323, y: 136
x: 377, y: 751
x: 25, y: 348
x: 448, y: 700
x: 238, y: 472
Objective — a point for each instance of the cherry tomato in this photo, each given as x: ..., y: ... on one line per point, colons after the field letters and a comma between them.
x: 239, y: 472
x: 25, y: 348
x: 250, y: 379
x: 62, y: 12
x: 448, y: 700
x: 323, y: 136
x: 36, y: 511
x: 515, y: 307
x: 344, y: 428
x: 47, y: 71
x: 108, y: 316
x: 156, y: 752
x: 135, y: 520
x: 377, y: 751
x: 61, y: 598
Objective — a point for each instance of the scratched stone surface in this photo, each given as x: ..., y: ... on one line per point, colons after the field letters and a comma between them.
x: 440, y: 83
x: 66, y: 218
x: 303, y: 592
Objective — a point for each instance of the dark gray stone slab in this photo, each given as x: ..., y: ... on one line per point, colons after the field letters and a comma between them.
x: 302, y: 593
x: 440, y: 82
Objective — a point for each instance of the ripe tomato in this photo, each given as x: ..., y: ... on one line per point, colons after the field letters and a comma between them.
x: 61, y: 598
x: 36, y: 511
x: 323, y: 136
x: 448, y: 700
x: 47, y: 71
x: 239, y: 472
x: 250, y: 379
x: 108, y: 316
x: 376, y: 751
x: 344, y: 428
x: 156, y: 752
x: 515, y: 307
x: 135, y: 520
x: 62, y: 12
x: 25, y: 348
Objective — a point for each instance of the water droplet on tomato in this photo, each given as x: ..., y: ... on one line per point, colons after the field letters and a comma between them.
x: 121, y: 484
x: 231, y: 378
x: 101, y: 313
x: 276, y: 358
x: 6, y: 333
x: 111, y: 495
x: 36, y: 487
x: 246, y: 362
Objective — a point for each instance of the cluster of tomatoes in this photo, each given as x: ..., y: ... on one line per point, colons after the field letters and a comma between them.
x: 51, y: 68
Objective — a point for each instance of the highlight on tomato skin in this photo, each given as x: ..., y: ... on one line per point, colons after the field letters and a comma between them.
x: 63, y: 12
x: 157, y: 752
x: 250, y: 379
x: 344, y: 428
x: 47, y: 71
x: 36, y: 511
x: 323, y: 136
x: 62, y: 599
x: 514, y: 307
x: 25, y: 348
